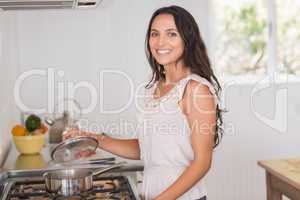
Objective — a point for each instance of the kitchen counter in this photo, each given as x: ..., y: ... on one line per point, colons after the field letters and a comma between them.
x: 282, y: 178
x: 17, y: 165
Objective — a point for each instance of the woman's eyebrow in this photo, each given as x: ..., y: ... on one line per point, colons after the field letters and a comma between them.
x: 169, y: 29
x: 154, y: 30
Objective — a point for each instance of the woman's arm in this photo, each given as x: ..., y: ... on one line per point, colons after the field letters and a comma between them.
x: 127, y: 148
x: 199, y: 108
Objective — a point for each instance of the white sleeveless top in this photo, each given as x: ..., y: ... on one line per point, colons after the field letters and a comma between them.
x: 165, y: 140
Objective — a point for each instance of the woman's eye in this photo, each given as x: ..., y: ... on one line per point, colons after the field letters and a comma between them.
x: 172, y: 34
x: 154, y: 34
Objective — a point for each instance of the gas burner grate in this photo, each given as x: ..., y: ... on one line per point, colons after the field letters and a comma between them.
x: 117, y: 188
x: 1, y: 189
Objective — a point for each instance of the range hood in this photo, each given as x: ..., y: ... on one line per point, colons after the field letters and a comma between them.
x: 47, y: 4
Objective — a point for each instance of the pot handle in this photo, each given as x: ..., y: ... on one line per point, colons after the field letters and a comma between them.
x: 101, y: 171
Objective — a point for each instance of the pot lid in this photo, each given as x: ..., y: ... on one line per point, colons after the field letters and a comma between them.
x: 74, y: 149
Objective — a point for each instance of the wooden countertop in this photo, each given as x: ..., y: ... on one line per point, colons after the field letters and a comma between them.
x: 287, y: 170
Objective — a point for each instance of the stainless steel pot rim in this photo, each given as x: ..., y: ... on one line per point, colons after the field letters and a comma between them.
x: 77, y: 173
x: 63, y: 146
x: 68, y: 174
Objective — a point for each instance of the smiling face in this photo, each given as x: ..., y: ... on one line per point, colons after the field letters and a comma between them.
x: 166, y: 44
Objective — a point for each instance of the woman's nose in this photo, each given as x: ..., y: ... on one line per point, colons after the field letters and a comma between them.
x: 161, y: 40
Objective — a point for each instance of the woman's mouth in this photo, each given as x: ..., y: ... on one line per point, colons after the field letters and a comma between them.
x: 163, y: 51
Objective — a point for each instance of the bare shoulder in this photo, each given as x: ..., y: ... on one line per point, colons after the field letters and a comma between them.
x: 197, y: 97
x: 197, y: 88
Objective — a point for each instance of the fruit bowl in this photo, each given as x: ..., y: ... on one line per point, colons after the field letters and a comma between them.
x: 30, y: 139
x: 29, y: 144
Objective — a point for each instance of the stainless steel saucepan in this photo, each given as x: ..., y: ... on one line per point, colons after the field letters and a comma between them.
x: 69, y: 182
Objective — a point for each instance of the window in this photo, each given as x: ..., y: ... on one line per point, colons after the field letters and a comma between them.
x: 288, y: 20
x: 256, y: 37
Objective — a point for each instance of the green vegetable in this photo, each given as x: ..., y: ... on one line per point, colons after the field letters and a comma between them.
x: 32, y: 123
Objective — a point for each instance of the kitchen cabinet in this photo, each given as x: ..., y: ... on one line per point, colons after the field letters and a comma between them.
x: 282, y: 178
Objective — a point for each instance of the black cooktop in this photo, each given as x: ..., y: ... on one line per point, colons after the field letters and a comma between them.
x: 115, y: 187
x: 1, y: 189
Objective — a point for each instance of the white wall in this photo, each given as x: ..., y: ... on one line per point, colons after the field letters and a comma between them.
x: 82, y: 43
x: 235, y: 174
x: 8, y: 72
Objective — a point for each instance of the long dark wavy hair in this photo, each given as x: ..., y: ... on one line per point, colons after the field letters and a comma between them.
x: 194, y: 56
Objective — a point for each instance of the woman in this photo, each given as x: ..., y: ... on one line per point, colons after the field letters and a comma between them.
x: 180, y: 117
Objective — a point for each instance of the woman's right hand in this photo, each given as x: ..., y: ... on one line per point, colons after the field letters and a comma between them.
x: 75, y: 132
x: 72, y: 133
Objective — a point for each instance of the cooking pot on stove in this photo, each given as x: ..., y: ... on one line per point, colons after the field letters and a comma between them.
x: 70, y: 182
x: 73, y: 181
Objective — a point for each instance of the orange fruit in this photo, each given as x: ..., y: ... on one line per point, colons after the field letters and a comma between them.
x: 43, y: 128
x: 18, y: 130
